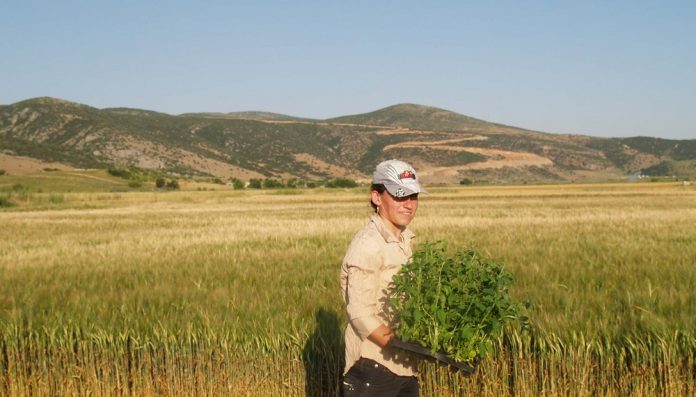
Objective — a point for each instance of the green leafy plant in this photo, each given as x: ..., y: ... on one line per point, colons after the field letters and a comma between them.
x: 456, y: 304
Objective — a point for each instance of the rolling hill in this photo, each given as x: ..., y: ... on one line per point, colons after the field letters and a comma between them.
x: 250, y: 115
x: 444, y: 146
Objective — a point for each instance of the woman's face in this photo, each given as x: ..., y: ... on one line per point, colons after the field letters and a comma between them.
x: 397, y: 211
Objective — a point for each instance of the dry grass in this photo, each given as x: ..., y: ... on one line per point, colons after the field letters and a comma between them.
x: 219, y: 293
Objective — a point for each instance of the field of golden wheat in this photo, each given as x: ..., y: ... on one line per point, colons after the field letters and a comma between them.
x: 236, y: 292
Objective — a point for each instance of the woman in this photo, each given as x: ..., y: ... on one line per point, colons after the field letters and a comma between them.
x: 375, y: 255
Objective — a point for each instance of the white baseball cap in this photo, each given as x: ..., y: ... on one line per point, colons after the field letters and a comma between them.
x: 398, y: 177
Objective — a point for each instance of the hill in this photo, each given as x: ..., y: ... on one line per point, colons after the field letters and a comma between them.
x: 250, y: 115
x: 417, y: 117
x: 443, y: 145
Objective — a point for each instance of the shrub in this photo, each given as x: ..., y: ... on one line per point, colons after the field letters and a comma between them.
x: 237, y: 184
x: 292, y: 183
x: 160, y: 182
x: 120, y: 172
x: 131, y: 172
x: 272, y: 184
x: 466, y: 181
x: 173, y: 184
x: 135, y: 184
x: 662, y: 169
x: 2, y: 172
x: 218, y: 181
x: 255, y: 183
x: 341, y: 183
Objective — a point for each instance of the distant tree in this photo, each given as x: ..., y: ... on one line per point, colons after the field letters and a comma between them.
x: 255, y: 183
x: 120, y: 172
x: 160, y: 182
x: 341, y: 183
x: 466, y: 181
x: 237, y: 184
x: 272, y: 184
x: 664, y: 168
x: 292, y: 183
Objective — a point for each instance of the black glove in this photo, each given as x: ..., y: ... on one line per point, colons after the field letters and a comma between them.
x: 438, y: 356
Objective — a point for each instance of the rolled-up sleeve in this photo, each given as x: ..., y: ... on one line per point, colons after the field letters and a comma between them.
x: 362, y: 272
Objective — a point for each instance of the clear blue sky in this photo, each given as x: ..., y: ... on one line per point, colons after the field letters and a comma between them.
x: 604, y: 68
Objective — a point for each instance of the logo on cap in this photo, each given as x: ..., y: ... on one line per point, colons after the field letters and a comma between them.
x: 408, y: 174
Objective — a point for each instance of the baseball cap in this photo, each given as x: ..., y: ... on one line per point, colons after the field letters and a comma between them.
x: 398, y: 177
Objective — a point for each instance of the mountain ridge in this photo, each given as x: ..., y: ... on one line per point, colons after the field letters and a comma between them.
x: 250, y: 115
x: 444, y: 146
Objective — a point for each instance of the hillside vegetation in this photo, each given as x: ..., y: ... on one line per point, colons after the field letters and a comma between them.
x: 445, y: 147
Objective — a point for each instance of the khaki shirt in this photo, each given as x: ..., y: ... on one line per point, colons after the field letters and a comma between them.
x: 374, y: 256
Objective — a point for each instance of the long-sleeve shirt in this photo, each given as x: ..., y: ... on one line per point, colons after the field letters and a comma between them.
x: 374, y: 256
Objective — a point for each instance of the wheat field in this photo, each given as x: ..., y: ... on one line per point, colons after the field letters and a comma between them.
x: 236, y: 292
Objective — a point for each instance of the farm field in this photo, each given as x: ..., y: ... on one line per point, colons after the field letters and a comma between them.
x: 236, y: 292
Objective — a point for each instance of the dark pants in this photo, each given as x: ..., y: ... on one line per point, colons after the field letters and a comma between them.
x: 367, y: 378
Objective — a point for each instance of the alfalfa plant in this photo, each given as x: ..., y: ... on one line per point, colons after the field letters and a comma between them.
x: 452, y: 304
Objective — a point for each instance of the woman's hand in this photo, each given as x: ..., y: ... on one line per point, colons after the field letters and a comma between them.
x: 381, y: 336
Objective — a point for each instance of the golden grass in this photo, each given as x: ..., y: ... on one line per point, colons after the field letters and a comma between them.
x: 219, y: 293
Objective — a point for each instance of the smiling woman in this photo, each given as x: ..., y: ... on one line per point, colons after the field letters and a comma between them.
x: 375, y: 255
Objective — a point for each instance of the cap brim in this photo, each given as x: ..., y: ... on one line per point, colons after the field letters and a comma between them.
x: 398, y: 190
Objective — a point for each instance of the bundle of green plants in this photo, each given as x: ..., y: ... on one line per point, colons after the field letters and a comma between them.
x: 454, y: 304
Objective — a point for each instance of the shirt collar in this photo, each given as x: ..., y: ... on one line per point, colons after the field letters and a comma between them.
x: 386, y: 234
